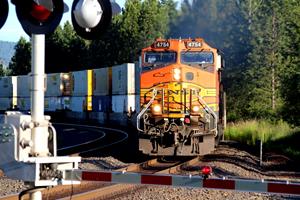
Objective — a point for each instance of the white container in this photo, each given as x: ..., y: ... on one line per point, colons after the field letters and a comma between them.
x: 77, y: 104
x: 59, y: 84
x: 24, y: 103
x: 123, y: 79
x: 53, y: 87
x: 53, y: 103
x: 102, y: 80
x: 8, y: 92
x: 23, y: 86
x: 8, y: 86
x: 82, y: 83
x: 5, y: 103
x: 125, y: 103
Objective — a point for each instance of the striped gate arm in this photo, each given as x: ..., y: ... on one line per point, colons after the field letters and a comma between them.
x: 246, y: 185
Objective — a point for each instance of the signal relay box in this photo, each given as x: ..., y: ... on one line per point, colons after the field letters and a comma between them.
x: 17, y: 160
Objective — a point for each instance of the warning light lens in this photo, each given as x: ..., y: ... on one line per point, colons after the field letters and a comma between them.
x: 206, y: 170
x: 40, y: 12
x: 187, y: 120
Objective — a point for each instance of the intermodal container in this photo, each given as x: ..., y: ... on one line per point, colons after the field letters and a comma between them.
x: 123, y: 79
x: 102, y: 81
x: 101, y: 103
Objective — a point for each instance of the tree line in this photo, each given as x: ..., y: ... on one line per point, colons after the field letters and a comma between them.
x: 259, y: 39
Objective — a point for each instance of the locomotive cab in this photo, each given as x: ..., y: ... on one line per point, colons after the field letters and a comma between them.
x: 180, y: 98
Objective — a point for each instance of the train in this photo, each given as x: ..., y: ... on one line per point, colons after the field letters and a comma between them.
x: 173, y: 96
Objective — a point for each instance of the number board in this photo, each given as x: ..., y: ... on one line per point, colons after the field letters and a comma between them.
x: 193, y: 44
x: 162, y: 44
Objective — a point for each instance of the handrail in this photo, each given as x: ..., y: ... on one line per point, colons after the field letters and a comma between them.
x: 212, y: 113
x: 144, y: 110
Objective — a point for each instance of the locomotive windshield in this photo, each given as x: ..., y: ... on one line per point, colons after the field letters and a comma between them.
x: 153, y: 59
x: 197, y: 57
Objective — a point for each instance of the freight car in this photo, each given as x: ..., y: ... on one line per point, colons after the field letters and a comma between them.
x: 181, y: 98
x: 8, y: 92
x: 106, y: 95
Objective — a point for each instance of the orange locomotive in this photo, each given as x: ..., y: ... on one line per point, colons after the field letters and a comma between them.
x: 181, y: 98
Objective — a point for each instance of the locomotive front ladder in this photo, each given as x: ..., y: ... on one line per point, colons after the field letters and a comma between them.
x: 211, y: 112
x: 144, y: 110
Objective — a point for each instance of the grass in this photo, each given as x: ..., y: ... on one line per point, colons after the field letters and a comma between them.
x: 279, y: 137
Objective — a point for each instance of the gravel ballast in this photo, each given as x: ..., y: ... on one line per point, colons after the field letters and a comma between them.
x: 238, y: 163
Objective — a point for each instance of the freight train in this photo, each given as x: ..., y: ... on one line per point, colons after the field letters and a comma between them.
x: 173, y: 96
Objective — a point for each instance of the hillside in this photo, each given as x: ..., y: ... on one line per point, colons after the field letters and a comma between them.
x: 6, y: 52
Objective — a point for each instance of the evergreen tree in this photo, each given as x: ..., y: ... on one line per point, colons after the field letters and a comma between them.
x: 290, y: 72
x: 20, y: 63
x: 265, y: 60
x: 140, y: 24
x: 107, y: 50
x: 224, y: 25
x: 2, y: 70
x: 65, y: 50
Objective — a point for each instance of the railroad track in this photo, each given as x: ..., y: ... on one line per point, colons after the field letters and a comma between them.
x: 96, y: 190
x: 107, y: 137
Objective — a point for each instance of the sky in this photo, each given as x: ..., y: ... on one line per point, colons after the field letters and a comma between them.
x: 12, y: 29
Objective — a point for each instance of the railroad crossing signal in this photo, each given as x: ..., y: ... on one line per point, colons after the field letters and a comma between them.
x: 3, y: 12
x: 90, y: 18
x: 39, y: 17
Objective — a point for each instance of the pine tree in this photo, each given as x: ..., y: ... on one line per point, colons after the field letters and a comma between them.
x: 20, y: 63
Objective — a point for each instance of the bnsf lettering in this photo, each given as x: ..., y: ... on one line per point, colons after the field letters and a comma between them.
x: 181, y: 92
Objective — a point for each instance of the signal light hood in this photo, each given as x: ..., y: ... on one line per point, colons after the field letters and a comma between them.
x: 3, y: 12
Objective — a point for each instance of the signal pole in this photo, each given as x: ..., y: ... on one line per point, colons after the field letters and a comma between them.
x: 39, y: 132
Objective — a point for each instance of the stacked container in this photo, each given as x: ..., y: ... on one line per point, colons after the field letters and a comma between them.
x: 58, y: 90
x: 102, y: 89
x: 23, y: 92
x: 8, y: 92
x: 125, y: 97
x: 81, y: 99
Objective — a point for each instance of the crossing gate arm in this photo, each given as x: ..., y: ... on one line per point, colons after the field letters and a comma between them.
x: 245, y: 185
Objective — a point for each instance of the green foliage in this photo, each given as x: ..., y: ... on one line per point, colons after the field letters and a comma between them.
x: 290, y: 73
x: 65, y: 51
x: 2, y: 70
x: 140, y: 24
x: 248, y: 132
x: 277, y: 137
x: 21, y: 62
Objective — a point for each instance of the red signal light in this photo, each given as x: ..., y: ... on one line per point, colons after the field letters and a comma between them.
x: 39, y: 18
x: 187, y: 120
x: 206, y: 171
x: 39, y: 12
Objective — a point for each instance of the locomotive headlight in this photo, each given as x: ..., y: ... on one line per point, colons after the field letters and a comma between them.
x: 176, y: 74
x: 196, y: 109
x: 66, y: 76
x: 61, y: 87
x: 156, y: 109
